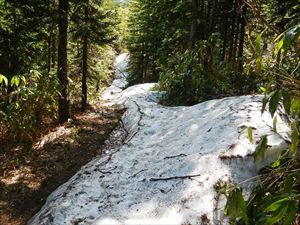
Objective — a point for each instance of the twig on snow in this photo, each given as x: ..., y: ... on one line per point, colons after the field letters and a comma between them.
x: 175, y: 156
x: 175, y: 177
x: 134, y: 175
x: 108, y: 171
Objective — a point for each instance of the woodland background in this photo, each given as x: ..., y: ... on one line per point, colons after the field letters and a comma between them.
x: 57, y: 55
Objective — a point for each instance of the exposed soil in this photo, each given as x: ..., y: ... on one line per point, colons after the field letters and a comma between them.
x: 29, y: 175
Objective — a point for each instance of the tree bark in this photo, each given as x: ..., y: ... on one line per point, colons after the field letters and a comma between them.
x: 225, y: 39
x: 232, y: 34
x: 84, y: 73
x: 241, y: 45
x: 49, y: 40
x: 236, y: 36
x: 54, y: 49
x: 193, y: 29
x: 85, y: 53
x: 49, y: 55
x: 242, y: 37
x: 62, y: 70
x: 146, y: 62
x: 213, y: 16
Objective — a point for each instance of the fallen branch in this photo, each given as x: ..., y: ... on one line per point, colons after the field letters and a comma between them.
x: 134, y: 175
x: 175, y: 156
x: 126, y: 141
x: 176, y: 177
x: 108, y: 171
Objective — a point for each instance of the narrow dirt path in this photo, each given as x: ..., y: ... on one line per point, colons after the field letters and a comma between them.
x: 28, y: 176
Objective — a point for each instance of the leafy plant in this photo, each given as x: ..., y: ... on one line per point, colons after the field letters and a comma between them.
x: 236, y: 206
x: 276, y: 200
x: 20, y: 108
x: 190, y: 77
x: 3, y: 80
x: 287, y: 39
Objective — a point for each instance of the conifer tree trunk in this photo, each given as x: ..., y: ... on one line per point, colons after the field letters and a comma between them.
x: 145, y: 74
x: 236, y: 39
x: 62, y: 70
x: 54, y: 49
x: 201, y: 11
x: 233, y: 31
x: 49, y: 55
x: 85, y: 61
x: 225, y: 36
x: 242, y: 37
x: 213, y: 16
x: 84, y: 73
x: 143, y: 63
x: 12, y: 59
x: 193, y: 30
x: 241, y: 45
x: 49, y: 40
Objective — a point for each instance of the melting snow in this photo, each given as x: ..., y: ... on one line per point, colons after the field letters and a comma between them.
x: 161, y: 165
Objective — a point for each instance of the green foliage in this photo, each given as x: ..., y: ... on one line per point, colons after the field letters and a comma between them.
x: 250, y: 134
x: 186, y: 81
x: 164, y: 38
x: 261, y: 149
x: 22, y: 35
x: 29, y: 42
x: 295, y: 106
x: 277, y: 203
x: 280, y: 96
x: 15, y: 81
x: 182, y: 85
x: 287, y: 39
x: 295, y: 137
x: 276, y: 199
x: 236, y: 206
x: 259, y: 53
x: 286, y: 101
x: 3, y: 80
x: 94, y: 19
x: 100, y: 71
x: 280, y: 208
x: 93, y: 23
x: 274, y: 102
x: 21, y: 109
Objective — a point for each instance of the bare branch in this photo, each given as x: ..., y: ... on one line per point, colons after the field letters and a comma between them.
x: 173, y: 178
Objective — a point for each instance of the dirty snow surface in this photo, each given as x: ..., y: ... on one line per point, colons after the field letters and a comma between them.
x: 160, y: 166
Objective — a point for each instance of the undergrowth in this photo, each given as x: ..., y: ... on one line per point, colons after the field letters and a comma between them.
x: 276, y: 197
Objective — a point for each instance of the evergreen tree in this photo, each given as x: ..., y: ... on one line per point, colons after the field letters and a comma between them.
x: 91, y: 26
x: 196, y: 49
x: 62, y: 63
x: 22, y: 35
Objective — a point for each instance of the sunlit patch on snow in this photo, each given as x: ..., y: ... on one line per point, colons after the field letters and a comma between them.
x: 170, y: 217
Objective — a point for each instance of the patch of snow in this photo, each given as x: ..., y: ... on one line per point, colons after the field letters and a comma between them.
x: 120, y: 82
x: 161, y: 165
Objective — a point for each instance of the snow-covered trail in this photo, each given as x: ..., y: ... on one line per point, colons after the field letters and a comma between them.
x: 161, y: 165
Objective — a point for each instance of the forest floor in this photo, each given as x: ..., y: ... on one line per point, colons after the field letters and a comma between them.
x: 27, y: 177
